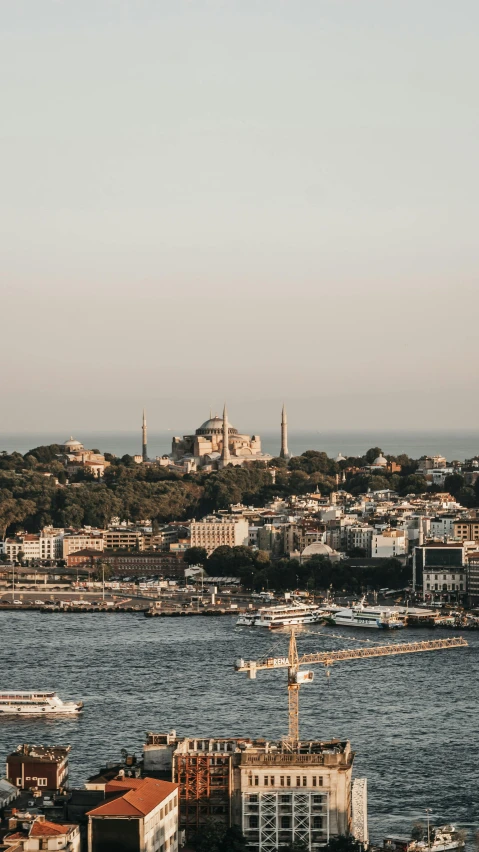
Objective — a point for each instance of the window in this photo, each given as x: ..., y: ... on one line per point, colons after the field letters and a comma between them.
x: 42, y: 782
x: 317, y: 822
x: 305, y: 781
x: 253, y: 821
x: 314, y: 780
x: 253, y: 800
x: 266, y: 780
x: 256, y: 780
x: 317, y: 800
x: 298, y: 781
x: 281, y: 780
x: 288, y: 780
x: 271, y: 780
x: 250, y: 780
x: 285, y: 822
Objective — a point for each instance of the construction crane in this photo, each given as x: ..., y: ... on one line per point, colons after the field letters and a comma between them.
x: 327, y: 658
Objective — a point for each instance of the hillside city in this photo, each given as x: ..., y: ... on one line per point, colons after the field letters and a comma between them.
x: 309, y: 522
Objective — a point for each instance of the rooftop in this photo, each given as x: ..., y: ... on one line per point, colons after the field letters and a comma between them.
x: 138, y: 797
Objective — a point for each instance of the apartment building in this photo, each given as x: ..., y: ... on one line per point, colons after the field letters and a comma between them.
x: 38, y: 766
x: 388, y: 543
x: 123, y: 539
x: 82, y: 540
x: 41, y: 546
x: 214, y: 531
x: 466, y: 529
x: 358, y: 536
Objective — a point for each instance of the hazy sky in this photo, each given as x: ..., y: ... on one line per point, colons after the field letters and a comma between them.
x: 254, y: 200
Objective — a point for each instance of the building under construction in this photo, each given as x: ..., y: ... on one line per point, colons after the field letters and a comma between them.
x: 275, y: 794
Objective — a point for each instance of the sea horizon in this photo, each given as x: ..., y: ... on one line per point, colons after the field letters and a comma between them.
x: 453, y: 444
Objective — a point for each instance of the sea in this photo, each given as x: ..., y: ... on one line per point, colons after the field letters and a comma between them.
x: 412, y: 720
x: 458, y: 445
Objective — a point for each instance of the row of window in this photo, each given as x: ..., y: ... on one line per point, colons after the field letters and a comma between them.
x: 286, y: 822
x: 41, y: 782
x: 286, y: 800
x: 168, y: 807
x: 285, y: 781
x: 444, y: 576
x: 454, y: 587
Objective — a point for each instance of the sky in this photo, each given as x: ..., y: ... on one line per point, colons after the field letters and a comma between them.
x: 241, y: 200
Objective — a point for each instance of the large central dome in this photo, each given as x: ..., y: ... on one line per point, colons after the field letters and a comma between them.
x: 214, y: 426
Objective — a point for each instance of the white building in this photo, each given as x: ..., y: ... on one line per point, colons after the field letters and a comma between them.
x: 30, y: 835
x: 142, y: 816
x: 442, y: 526
x: 388, y: 543
x: 46, y: 545
x: 443, y: 581
x: 214, y: 531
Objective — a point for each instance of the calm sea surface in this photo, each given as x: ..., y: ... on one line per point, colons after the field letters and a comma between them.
x: 412, y: 720
x: 453, y: 445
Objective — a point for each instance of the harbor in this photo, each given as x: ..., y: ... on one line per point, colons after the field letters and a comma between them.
x: 150, y: 674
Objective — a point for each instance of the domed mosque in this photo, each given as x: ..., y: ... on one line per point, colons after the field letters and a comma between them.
x: 216, y: 443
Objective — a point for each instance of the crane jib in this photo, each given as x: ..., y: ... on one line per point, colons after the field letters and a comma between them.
x: 330, y: 657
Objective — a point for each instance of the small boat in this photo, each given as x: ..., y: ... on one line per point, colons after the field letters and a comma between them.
x: 35, y: 703
x: 441, y: 839
x: 247, y: 619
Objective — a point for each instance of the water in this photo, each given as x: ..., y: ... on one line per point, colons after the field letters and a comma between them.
x: 412, y: 719
x: 454, y: 445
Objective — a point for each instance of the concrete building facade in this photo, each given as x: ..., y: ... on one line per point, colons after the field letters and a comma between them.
x: 215, y: 531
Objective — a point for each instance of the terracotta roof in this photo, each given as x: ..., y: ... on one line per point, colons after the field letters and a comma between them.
x: 49, y: 829
x: 138, y: 800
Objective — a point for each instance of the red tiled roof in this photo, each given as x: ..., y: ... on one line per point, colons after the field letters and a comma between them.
x: 138, y: 800
x: 49, y: 829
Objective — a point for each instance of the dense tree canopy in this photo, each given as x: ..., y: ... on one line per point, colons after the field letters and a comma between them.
x: 34, y: 489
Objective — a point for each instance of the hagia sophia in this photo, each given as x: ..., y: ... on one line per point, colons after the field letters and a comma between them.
x: 214, y: 445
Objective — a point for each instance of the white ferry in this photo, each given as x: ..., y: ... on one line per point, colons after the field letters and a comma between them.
x: 281, y: 616
x: 36, y: 704
x: 367, y: 616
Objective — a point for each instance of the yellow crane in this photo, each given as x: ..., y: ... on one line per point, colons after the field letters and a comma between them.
x: 327, y: 658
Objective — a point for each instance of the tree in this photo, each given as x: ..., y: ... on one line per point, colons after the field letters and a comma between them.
x: 296, y: 846
x: 195, y: 556
x: 233, y: 840
x: 343, y: 843
x: 453, y: 483
x: 372, y: 454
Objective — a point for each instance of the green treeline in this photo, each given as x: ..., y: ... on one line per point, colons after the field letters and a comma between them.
x: 31, y: 499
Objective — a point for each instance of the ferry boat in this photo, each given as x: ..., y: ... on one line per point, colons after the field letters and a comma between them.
x: 367, y: 616
x: 281, y: 616
x: 36, y: 704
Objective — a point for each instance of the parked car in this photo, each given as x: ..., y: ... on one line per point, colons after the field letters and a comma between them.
x: 18, y: 602
x: 39, y: 603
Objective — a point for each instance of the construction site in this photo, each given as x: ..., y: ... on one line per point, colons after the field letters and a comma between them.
x: 281, y: 791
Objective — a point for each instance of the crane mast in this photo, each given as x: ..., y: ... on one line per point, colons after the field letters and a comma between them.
x: 327, y: 658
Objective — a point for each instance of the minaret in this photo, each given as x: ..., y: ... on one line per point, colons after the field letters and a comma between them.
x: 225, y: 452
x: 144, y: 450
x: 284, y: 453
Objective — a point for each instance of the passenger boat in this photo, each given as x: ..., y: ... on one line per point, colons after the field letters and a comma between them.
x: 36, y: 704
x: 367, y: 616
x: 281, y: 616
